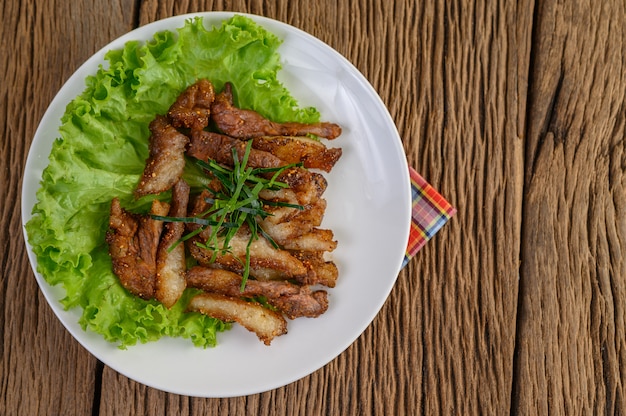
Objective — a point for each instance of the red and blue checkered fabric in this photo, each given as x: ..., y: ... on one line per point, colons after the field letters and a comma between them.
x: 430, y: 212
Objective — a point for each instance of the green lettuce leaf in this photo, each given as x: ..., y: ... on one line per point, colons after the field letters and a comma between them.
x: 101, y: 154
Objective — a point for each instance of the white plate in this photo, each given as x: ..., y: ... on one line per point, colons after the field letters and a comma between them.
x: 369, y: 207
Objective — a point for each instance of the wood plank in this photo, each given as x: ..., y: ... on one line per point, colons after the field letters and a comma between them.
x: 360, y: 380
x: 43, y: 370
x: 454, y: 80
x: 467, y: 141
x: 572, y: 350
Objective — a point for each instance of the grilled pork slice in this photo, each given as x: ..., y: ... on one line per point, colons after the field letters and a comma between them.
x: 192, y: 108
x: 315, y: 240
x: 206, y: 145
x: 313, y: 154
x: 308, y: 186
x: 287, y: 223
x: 166, y: 160
x: 299, y: 235
x: 245, y: 124
x: 171, y: 262
x: 266, y: 152
x: 292, y: 300
x: 303, y: 187
x: 133, y: 242
x: 291, y: 222
x: 265, y: 323
x: 266, y: 262
x: 321, y: 271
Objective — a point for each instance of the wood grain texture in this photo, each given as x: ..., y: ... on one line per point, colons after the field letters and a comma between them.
x: 468, y: 142
x: 571, y: 353
x: 442, y: 83
x: 515, y: 111
x: 44, y: 371
x: 362, y: 380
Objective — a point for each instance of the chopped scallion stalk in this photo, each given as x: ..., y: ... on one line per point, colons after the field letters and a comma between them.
x: 235, y: 205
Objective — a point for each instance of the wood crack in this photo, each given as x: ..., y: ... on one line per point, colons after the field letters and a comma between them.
x: 97, y: 390
x: 514, y: 396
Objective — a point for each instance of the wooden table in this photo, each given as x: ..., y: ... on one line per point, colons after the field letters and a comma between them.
x: 514, y: 111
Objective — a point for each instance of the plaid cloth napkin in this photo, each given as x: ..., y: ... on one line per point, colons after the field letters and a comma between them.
x: 430, y: 212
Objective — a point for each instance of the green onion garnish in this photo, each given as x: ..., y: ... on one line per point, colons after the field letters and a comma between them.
x: 236, y: 204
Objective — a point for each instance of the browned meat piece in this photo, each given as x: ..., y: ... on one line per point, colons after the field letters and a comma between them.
x: 133, y: 241
x: 166, y: 161
x: 308, y: 186
x: 321, y: 271
x: 292, y: 300
x: 171, y: 263
x: 265, y: 323
x: 198, y: 205
x: 206, y: 145
x: 287, y: 223
x: 312, y: 153
x: 245, y: 124
x: 300, y: 236
x: 304, y: 187
x: 192, y: 108
x: 266, y: 262
x: 295, y: 229
x: 315, y: 240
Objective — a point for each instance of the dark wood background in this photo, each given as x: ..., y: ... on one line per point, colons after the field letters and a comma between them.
x: 515, y: 111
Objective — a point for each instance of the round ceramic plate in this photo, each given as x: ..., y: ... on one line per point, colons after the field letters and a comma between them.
x: 369, y: 208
